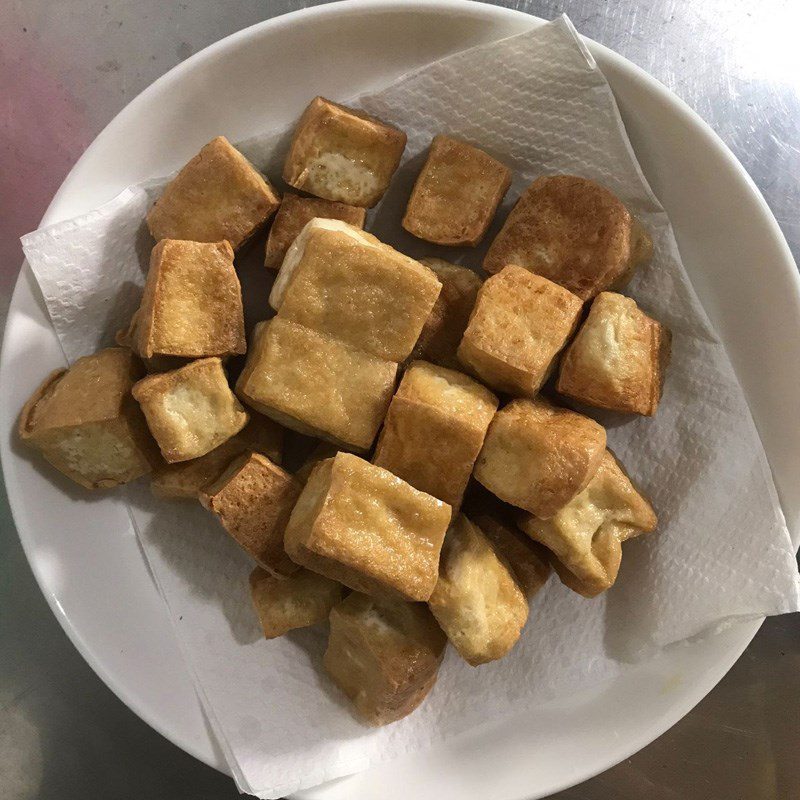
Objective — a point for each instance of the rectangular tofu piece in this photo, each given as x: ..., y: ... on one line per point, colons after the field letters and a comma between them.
x: 316, y: 385
x: 218, y: 195
x: 84, y: 421
x: 253, y: 499
x: 518, y: 326
x: 456, y: 194
x: 617, y: 359
x: 341, y: 154
x: 190, y: 410
x: 384, y: 655
x: 368, y: 529
x: 343, y: 282
x: 586, y: 535
x: 297, y: 601
x: 434, y: 430
x: 192, y: 303
x: 537, y: 456
x: 477, y: 601
x: 293, y: 215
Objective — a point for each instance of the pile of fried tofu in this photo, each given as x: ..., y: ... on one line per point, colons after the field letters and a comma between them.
x: 455, y: 463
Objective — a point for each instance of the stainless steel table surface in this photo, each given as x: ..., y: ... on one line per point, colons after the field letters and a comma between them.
x: 66, y: 68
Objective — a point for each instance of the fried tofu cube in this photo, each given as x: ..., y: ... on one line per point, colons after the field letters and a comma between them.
x: 190, y: 410
x: 86, y: 424
x: 538, y: 457
x: 586, y: 535
x: 315, y: 384
x: 253, y: 499
x: 368, y: 529
x: 293, y: 215
x: 477, y: 601
x: 218, y: 195
x: 343, y: 282
x: 442, y: 331
x: 434, y: 430
x: 191, y: 306
x: 574, y: 232
x: 518, y: 326
x: 456, y: 194
x: 341, y: 154
x: 384, y: 655
x: 296, y: 601
x: 617, y: 359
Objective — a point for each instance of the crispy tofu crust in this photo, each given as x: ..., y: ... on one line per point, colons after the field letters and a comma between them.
x: 456, y: 194
x: 341, y: 154
x: 434, y: 430
x: 218, y: 195
x: 384, y: 655
x: 617, y: 359
x: 574, y: 232
x: 368, y: 529
x: 518, y: 326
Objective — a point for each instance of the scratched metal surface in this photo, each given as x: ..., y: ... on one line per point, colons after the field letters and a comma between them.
x: 66, y: 68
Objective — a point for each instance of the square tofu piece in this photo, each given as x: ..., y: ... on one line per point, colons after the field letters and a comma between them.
x: 292, y: 216
x: 316, y: 385
x: 477, y: 601
x: 297, y: 601
x: 456, y: 194
x: 442, y: 331
x: 618, y: 358
x: 192, y: 303
x: 185, y: 479
x: 586, y: 535
x: 573, y: 232
x: 538, y: 457
x: 253, y: 499
x: 518, y: 326
x: 366, y: 528
x: 86, y: 424
x: 343, y: 282
x: 218, y: 195
x: 434, y: 430
x: 191, y: 410
x: 384, y: 655
x: 341, y: 154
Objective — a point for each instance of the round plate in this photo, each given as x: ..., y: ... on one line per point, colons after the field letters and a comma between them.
x: 82, y: 548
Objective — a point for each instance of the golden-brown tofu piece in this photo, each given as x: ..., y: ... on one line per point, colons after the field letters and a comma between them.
x: 293, y: 215
x: 192, y: 303
x: 518, y: 326
x: 296, y: 601
x: 617, y: 359
x: 456, y: 194
x: 434, y: 430
x: 185, y: 479
x: 442, y: 331
x: 586, y: 535
x: 190, y: 410
x: 477, y: 601
x: 343, y: 282
x: 574, y: 232
x: 537, y: 456
x: 368, y: 529
x: 316, y: 385
x: 342, y: 154
x: 86, y: 424
x: 384, y: 655
x: 218, y: 195
x: 253, y: 499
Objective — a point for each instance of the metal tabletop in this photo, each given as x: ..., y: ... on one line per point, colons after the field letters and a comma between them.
x: 66, y: 68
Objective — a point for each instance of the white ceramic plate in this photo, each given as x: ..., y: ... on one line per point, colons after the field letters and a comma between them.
x: 83, y: 550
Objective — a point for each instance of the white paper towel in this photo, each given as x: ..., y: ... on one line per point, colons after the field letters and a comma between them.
x: 539, y: 103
